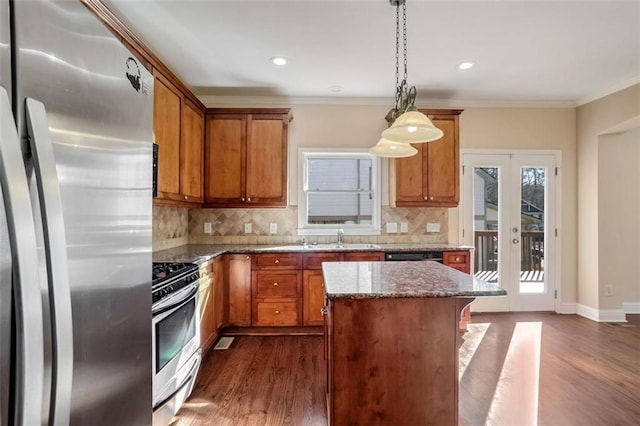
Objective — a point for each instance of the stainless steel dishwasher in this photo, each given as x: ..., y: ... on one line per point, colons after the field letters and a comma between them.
x: 412, y: 256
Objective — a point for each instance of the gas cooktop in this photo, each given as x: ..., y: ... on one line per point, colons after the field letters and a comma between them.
x: 163, y: 272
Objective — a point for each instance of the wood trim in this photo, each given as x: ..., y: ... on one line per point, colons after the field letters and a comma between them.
x: 275, y: 112
x: 138, y: 48
x: 273, y: 331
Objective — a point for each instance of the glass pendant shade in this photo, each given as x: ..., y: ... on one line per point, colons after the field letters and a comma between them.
x: 385, y: 148
x: 412, y: 127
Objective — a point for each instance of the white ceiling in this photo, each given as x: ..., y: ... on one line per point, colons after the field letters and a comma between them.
x: 528, y: 52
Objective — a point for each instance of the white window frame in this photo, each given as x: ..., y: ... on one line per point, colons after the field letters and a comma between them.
x: 304, y: 228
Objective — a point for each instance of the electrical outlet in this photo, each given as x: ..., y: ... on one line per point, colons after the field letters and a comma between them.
x: 404, y: 227
x: 608, y: 290
x: 392, y: 227
x: 433, y: 227
x: 247, y: 228
x: 273, y: 228
x: 207, y: 228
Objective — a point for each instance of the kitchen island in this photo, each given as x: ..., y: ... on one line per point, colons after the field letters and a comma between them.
x: 392, y: 339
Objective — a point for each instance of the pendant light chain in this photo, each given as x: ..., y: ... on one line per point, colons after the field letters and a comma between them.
x: 398, y: 48
x: 404, y: 37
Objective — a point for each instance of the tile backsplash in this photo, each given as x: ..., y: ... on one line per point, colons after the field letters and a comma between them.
x: 170, y: 227
x: 228, y: 226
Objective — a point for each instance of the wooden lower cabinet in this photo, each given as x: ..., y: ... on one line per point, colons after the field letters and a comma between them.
x: 211, y: 301
x: 313, y: 297
x: 392, y: 361
x: 276, y: 289
x: 460, y: 260
x: 238, y: 288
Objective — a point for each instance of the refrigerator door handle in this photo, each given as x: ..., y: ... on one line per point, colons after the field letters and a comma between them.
x: 28, y: 306
x: 56, y: 257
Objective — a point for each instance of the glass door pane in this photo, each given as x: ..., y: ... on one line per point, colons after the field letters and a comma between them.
x: 486, y: 216
x: 532, y: 205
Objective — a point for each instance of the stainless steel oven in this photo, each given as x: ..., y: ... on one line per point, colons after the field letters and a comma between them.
x: 176, y: 337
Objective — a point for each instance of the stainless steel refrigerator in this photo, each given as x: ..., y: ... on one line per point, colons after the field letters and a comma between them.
x: 76, y: 133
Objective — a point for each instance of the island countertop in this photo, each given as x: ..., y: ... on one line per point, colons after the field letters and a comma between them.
x: 370, y: 280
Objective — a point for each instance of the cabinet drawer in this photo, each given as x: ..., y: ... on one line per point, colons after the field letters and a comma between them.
x: 364, y: 256
x: 277, y: 261
x: 452, y: 258
x: 314, y: 260
x: 277, y: 313
x: 277, y: 284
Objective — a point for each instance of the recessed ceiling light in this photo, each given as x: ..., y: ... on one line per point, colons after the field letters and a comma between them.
x: 336, y: 89
x: 279, y: 61
x: 466, y: 65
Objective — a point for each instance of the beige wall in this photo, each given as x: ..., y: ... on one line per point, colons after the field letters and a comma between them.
x: 593, y: 120
x: 619, y: 218
x: 531, y: 129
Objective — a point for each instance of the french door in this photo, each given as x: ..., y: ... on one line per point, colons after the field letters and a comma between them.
x: 509, y: 216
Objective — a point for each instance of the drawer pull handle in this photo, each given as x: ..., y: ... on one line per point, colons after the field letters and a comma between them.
x: 457, y: 259
x: 276, y: 261
x: 275, y: 284
x: 277, y: 312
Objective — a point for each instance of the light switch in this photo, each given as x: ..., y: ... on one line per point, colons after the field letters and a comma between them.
x: 207, y: 228
x: 247, y: 228
x: 433, y: 227
x: 392, y: 227
x: 404, y: 227
x: 273, y: 228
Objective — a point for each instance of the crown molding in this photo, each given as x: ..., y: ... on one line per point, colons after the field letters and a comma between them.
x: 284, y: 101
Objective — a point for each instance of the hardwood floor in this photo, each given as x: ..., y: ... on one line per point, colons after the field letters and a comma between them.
x: 587, y: 373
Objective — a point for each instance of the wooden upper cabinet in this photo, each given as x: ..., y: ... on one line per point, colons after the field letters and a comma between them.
x: 246, y: 157
x: 192, y: 155
x: 431, y: 178
x: 178, y: 125
x: 166, y: 127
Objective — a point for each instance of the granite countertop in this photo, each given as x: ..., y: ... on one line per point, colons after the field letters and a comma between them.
x: 199, y: 253
x: 367, y: 280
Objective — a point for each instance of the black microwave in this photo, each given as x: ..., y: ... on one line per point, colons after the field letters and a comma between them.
x: 155, y: 170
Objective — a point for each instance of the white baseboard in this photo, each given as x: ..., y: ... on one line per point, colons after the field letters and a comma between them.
x: 631, y: 307
x: 602, y: 315
x: 567, y: 308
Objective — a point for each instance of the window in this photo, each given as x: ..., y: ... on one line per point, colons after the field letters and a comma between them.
x: 339, y: 189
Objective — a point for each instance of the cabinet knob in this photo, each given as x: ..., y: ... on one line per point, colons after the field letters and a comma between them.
x: 185, y: 197
x: 248, y: 258
x: 249, y: 199
x: 277, y: 312
x: 275, y: 284
x: 457, y: 259
x: 242, y: 199
x: 324, y: 310
x: 431, y: 198
x: 276, y: 261
x: 426, y: 198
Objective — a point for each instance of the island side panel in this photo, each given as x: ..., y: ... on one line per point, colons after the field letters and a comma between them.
x: 395, y: 361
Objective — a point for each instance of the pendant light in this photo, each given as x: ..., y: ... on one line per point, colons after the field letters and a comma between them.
x: 410, y: 125
x: 385, y: 148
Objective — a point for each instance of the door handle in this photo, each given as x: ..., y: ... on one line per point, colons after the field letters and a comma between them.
x: 56, y: 256
x: 515, y: 241
x: 22, y: 239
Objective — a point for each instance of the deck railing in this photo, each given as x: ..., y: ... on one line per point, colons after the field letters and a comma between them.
x: 532, y: 251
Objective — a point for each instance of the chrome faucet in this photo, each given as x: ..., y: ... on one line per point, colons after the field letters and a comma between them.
x: 340, y: 236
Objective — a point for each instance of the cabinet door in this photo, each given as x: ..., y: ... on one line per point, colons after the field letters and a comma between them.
x: 225, y: 152
x: 191, y: 159
x: 266, y: 160
x: 167, y: 103
x: 219, y: 276
x: 460, y: 260
x: 410, y: 179
x: 206, y: 306
x: 313, y: 297
x: 441, y: 165
x: 239, y: 289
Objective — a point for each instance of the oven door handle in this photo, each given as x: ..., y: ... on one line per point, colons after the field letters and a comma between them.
x: 183, y: 301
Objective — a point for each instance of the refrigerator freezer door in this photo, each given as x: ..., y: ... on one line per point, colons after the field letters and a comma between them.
x: 99, y: 107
